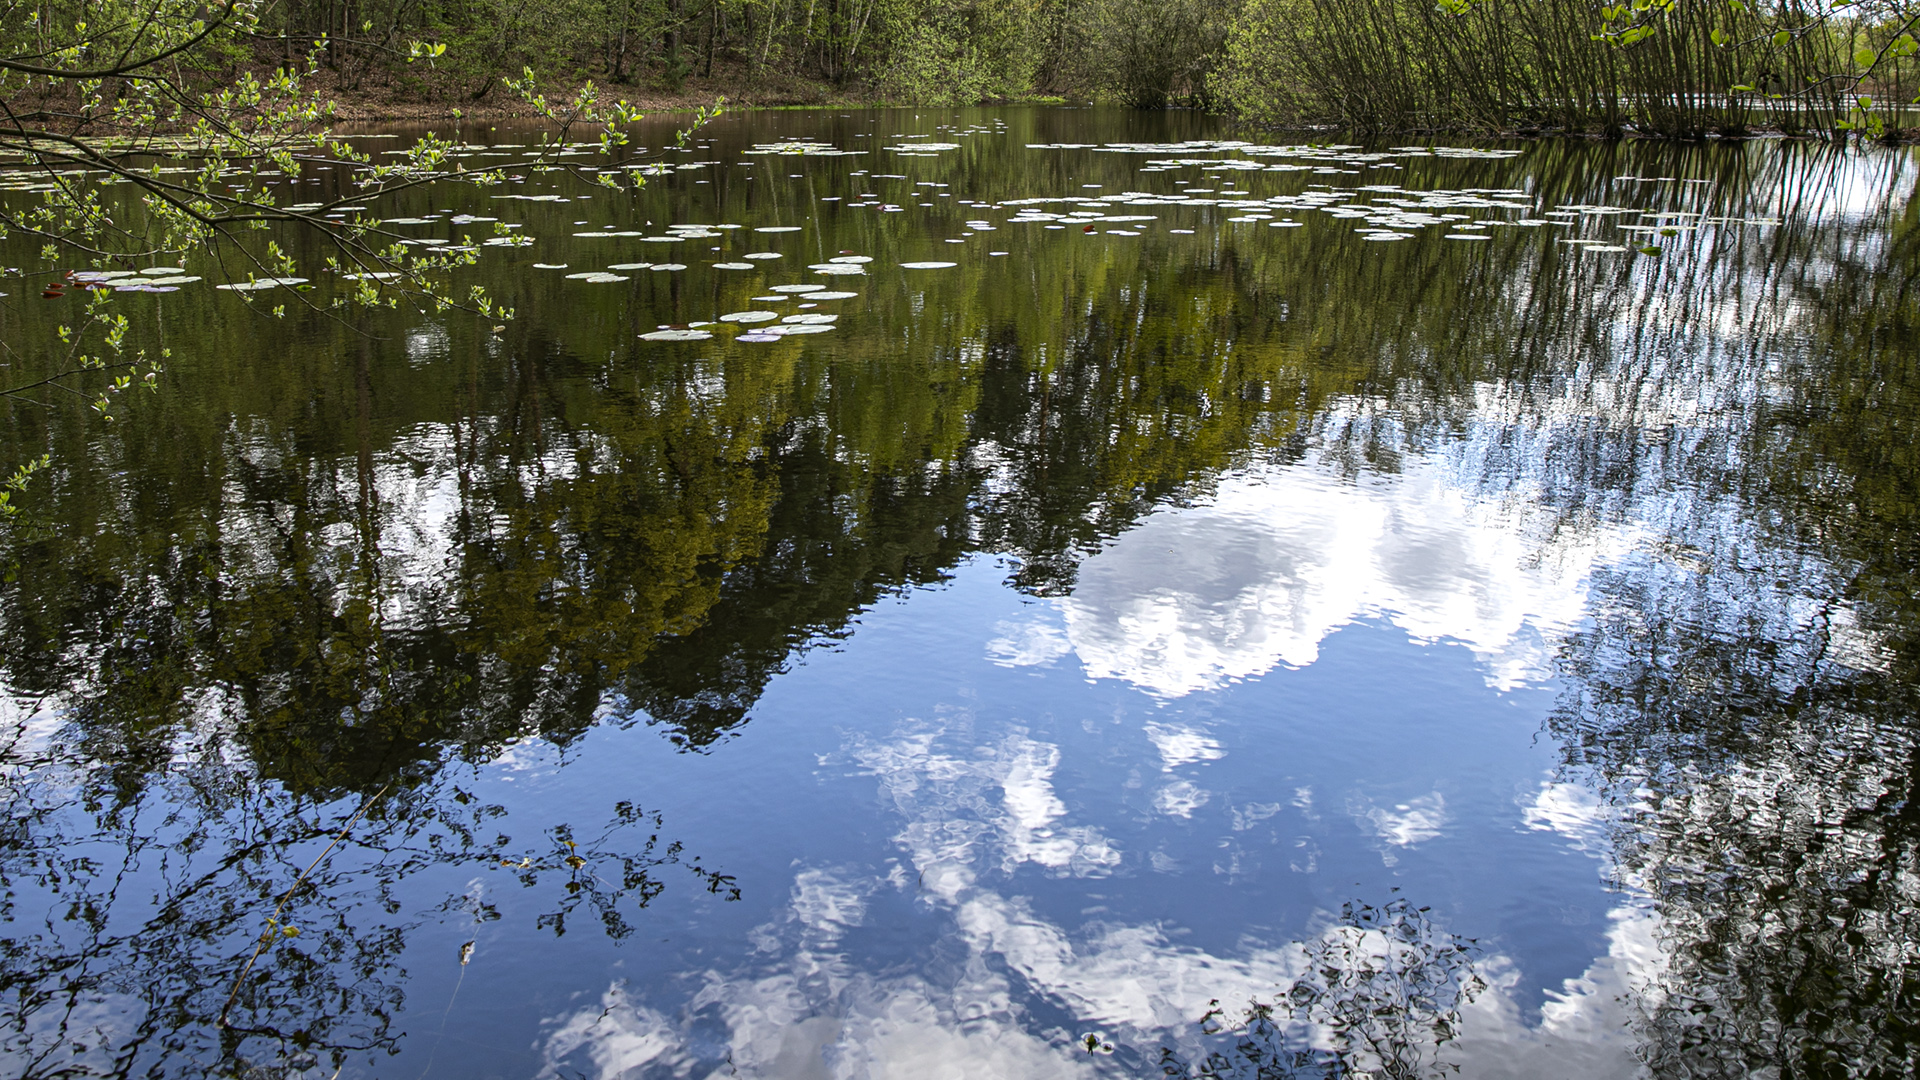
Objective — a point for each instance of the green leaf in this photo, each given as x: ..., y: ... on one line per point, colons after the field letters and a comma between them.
x: 1865, y: 57
x: 1781, y: 38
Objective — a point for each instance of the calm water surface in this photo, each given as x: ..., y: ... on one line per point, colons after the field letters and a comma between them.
x: 1489, y: 646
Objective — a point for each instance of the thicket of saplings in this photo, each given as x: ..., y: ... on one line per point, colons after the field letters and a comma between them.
x: 1666, y: 67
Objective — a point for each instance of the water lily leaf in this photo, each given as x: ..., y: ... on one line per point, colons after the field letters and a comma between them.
x: 677, y: 335
x: 263, y: 283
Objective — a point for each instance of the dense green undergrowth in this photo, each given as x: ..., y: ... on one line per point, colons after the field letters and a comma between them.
x: 1680, y: 68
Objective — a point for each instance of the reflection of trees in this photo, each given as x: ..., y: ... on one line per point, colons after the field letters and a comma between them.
x: 1379, y: 995
x: 356, y: 563
x: 1751, y: 704
x: 129, y: 916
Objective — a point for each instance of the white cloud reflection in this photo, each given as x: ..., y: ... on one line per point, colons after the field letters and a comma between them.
x: 1195, y: 598
x: 970, y: 819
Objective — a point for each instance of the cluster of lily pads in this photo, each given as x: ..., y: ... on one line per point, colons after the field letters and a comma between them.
x: 762, y: 326
x: 154, y: 279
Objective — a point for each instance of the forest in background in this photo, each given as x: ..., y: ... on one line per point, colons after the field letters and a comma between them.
x: 1666, y: 67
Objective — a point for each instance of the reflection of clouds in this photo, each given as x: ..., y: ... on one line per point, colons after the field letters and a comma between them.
x: 1023, y: 817
x: 1412, y: 822
x: 1572, y: 811
x: 1181, y: 745
x: 969, y: 816
x: 1028, y: 644
x: 1181, y: 798
x: 1194, y: 598
x: 1584, y: 1027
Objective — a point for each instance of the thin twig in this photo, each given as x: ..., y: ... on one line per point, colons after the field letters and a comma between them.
x: 274, y: 919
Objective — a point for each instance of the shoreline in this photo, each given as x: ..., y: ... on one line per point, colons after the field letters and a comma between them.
x: 386, y: 101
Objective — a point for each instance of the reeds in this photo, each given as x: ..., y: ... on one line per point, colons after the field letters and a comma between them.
x: 1685, y: 68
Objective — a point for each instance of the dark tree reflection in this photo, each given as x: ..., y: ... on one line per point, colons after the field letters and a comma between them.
x: 1751, y: 707
x: 130, y: 916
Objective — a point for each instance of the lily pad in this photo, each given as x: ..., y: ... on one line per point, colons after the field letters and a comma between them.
x: 758, y: 338
x: 796, y: 288
x: 600, y: 277
x: 851, y: 259
x: 732, y: 266
x: 262, y: 283
x: 787, y: 329
x: 164, y: 271
x: 763, y: 255
x: 832, y: 295
x: 837, y: 268
x: 808, y: 317
x: 373, y: 275
x: 677, y: 335
x: 778, y: 228
x: 750, y: 316
x: 928, y: 265
x: 669, y: 266
x: 549, y: 266
x: 629, y: 266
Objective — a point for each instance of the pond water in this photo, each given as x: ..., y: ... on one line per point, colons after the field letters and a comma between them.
x: 1356, y: 580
